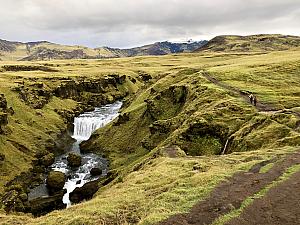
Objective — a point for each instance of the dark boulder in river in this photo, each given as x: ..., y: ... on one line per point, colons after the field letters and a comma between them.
x: 43, y: 205
x: 85, y: 192
x: 74, y: 160
x: 96, y: 171
x: 55, y: 181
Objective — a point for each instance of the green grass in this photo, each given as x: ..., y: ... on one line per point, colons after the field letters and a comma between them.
x: 151, y: 186
x: 266, y: 168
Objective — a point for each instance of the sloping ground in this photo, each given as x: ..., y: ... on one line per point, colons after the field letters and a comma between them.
x: 230, y: 195
x: 165, y: 145
x: 234, y: 43
x: 279, y: 206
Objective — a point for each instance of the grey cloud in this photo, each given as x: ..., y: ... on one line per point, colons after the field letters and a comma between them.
x: 131, y: 22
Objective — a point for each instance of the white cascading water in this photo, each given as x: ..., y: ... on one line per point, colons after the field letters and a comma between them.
x: 87, y: 123
x: 84, y: 126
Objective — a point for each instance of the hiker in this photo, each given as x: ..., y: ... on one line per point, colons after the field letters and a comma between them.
x: 254, y: 100
x: 251, y: 98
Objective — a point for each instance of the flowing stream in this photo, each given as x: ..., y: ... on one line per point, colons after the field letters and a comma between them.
x: 84, y: 125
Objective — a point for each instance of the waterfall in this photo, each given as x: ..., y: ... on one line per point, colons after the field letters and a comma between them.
x: 87, y: 123
x: 84, y: 125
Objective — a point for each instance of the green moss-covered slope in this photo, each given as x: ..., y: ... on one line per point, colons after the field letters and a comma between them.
x: 171, y: 143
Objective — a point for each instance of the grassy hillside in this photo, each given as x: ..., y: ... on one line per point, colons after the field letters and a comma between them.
x: 167, y: 144
x: 255, y: 43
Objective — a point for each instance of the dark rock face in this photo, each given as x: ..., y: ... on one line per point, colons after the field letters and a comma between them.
x: 46, y: 54
x: 90, y: 91
x: 43, y: 205
x: 144, y: 76
x: 55, y: 181
x: 27, y: 68
x: 74, y: 160
x: 12, y: 201
x: 204, y: 136
x: 3, y: 113
x: 85, y: 192
x: 167, y: 103
x: 122, y: 118
x: 15, y: 197
x: 3, y: 103
x: 96, y: 171
x: 2, y: 158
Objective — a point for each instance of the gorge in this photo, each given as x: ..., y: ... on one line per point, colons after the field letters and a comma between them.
x: 84, y: 125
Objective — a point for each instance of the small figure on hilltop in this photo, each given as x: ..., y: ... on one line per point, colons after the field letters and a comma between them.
x: 251, y: 98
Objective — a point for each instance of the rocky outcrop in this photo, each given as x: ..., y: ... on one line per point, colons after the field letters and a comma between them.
x: 15, y: 200
x: 43, y: 53
x: 122, y: 118
x: 3, y: 113
x: 74, y: 160
x: 167, y: 103
x: 85, y: 192
x: 93, y: 92
x: 16, y: 68
x: 204, y: 137
x: 2, y: 158
x: 55, y: 181
x: 3, y: 121
x: 43, y: 205
x: 144, y: 76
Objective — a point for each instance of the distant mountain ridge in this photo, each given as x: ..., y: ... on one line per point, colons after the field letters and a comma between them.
x: 260, y: 42
x: 44, y: 50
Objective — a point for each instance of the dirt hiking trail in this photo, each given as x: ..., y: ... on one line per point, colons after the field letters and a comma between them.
x: 230, y: 194
x: 280, y: 206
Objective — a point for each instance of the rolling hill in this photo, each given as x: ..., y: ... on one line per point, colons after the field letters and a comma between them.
x: 44, y: 50
x: 261, y: 42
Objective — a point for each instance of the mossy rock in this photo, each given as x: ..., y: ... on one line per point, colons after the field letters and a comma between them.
x: 48, y: 159
x: 74, y: 160
x: 55, y: 181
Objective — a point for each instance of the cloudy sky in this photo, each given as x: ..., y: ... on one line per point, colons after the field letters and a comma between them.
x: 128, y: 23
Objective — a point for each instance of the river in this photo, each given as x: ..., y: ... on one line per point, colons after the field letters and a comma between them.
x: 84, y: 125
